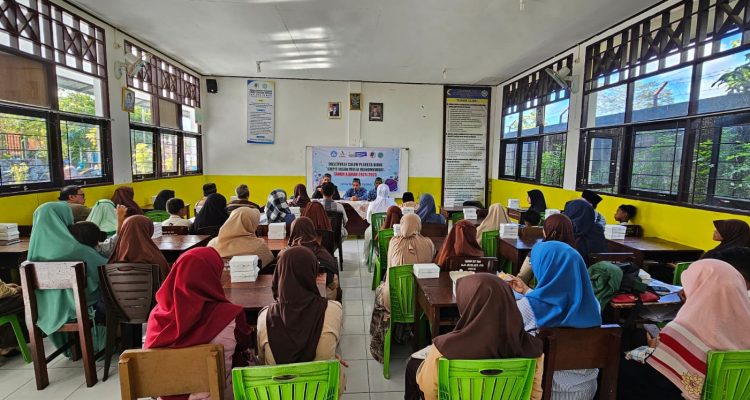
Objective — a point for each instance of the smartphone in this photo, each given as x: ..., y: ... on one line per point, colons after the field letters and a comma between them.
x: 661, y: 290
x: 652, y: 330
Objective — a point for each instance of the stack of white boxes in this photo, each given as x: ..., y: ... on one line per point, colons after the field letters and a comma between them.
x: 614, y: 232
x: 243, y: 268
x: 9, y: 234
x: 470, y: 213
x: 396, y: 229
x: 296, y: 211
x: 157, y: 230
x: 426, y: 271
x: 550, y: 212
x: 509, y: 231
x: 277, y: 230
x: 514, y: 203
x: 456, y: 275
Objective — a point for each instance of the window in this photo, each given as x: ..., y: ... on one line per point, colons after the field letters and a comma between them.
x: 142, y: 152
x: 189, y: 123
x: 662, y: 96
x: 607, y: 106
x: 169, y: 153
x: 529, y: 157
x: 725, y: 83
x: 191, y: 152
x: 601, y: 160
x: 553, y: 160
x: 657, y: 156
x: 510, y: 125
x: 529, y: 125
x: 79, y: 93
x: 24, y: 156
x: 143, y: 109
x: 81, y: 149
x: 556, y: 116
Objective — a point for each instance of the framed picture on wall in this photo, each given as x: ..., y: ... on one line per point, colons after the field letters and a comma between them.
x: 355, y: 101
x: 128, y: 100
x: 334, y: 110
x: 376, y: 111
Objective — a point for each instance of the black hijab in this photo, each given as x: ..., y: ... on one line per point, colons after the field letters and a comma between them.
x: 160, y: 203
x: 213, y: 213
x: 537, y: 201
x: 589, y: 234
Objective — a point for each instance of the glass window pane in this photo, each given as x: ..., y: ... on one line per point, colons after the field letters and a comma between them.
x: 190, y: 147
x: 556, y: 116
x: 143, y: 110
x: 510, y: 125
x: 725, y: 83
x: 188, y: 119
x: 528, y: 159
x: 662, y: 96
x: 657, y: 155
x: 142, y: 152
x: 23, y: 80
x: 600, y: 161
x: 529, y: 125
x: 79, y: 93
x: 23, y: 150
x: 168, y: 114
x: 553, y: 160
x: 169, y: 153
x: 733, y: 166
x: 606, y: 107
x: 81, y: 150
x: 509, y: 167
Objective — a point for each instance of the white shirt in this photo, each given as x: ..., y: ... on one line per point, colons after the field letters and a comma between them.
x: 176, y: 220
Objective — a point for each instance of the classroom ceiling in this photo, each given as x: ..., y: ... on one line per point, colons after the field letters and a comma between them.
x: 476, y: 41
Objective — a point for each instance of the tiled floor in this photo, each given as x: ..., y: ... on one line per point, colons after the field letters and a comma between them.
x: 364, y: 375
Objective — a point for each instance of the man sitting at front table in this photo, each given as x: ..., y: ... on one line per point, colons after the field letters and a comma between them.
x: 76, y: 200
x: 373, y: 194
x: 318, y: 194
x: 357, y: 192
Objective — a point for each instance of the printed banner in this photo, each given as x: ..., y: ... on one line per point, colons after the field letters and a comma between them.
x: 365, y: 163
x: 261, y: 127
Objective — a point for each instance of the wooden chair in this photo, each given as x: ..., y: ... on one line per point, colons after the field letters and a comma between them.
x: 531, y: 232
x: 337, y: 222
x: 164, y: 372
x: 175, y: 230
x: 611, y: 257
x: 58, y: 275
x: 129, y: 292
x: 570, y: 348
x: 434, y: 230
x: 208, y: 230
x: 476, y: 264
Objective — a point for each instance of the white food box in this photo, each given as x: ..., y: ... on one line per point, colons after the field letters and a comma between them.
x: 449, y: 202
x: 296, y: 211
x: 514, y: 203
x: 508, y: 231
x: 277, y: 230
x: 407, y: 210
x: 456, y: 275
x: 8, y: 227
x: 243, y: 277
x: 243, y: 263
x: 645, y: 276
x: 396, y: 229
x: 550, y: 212
x: 157, y: 230
x: 470, y: 213
x: 426, y: 271
x: 9, y: 236
x: 614, y: 231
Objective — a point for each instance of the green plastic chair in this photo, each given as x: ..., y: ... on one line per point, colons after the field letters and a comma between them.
x: 317, y: 380
x: 489, y: 243
x: 157, y: 215
x: 678, y: 270
x: 728, y: 375
x: 401, y: 284
x: 455, y: 217
x: 381, y: 262
x: 376, y: 221
x: 485, y: 379
x: 13, y: 321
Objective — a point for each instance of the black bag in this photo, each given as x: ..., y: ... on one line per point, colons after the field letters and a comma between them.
x: 631, y: 283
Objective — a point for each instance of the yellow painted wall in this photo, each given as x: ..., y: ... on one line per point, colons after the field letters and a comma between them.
x: 689, y: 226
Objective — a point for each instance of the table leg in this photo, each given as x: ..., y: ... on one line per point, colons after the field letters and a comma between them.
x: 417, y: 339
x: 435, y: 321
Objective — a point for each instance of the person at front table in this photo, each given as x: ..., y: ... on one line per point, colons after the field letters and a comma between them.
x: 373, y: 193
x: 356, y: 192
x: 76, y: 199
x: 237, y: 237
x: 318, y: 194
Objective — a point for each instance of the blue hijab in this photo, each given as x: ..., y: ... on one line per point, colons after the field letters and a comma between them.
x: 589, y: 234
x: 563, y: 296
x: 427, y: 211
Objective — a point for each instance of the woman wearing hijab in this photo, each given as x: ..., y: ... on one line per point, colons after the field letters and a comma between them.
x: 104, y: 216
x: 237, y: 236
x: 381, y: 203
x: 407, y: 200
x: 556, y: 227
x: 563, y: 298
x: 51, y: 240
x: 461, y: 242
x: 589, y: 235
x: 537, y: 207
x: 427, y: 211
x: 731, y: 233
x: 300, y: 326
x: 715, y: 316
x: 392, y: 216
x: 496, y: 215
x: 124, y: 195
x: 490, y: 327
x: 191, y: 309
x: 408, y: 247
x: 212, y: 215
x: 160, y: 203
x: 300, y: 199
x: 318, y: 216
x: 277, y: 210
x: 134, y: 245
x: 303, y: 233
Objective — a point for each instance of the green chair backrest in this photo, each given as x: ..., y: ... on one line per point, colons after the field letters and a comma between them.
x: 489, y: 243
x: 678, y: 270
x: 728, y: 375
x: 485, y: 379
x: 376, y: 221
x: 157, y: 215
x: 384, y: 239
x: 317, y: 380
x: 455, y: 217
x: 401, y: 283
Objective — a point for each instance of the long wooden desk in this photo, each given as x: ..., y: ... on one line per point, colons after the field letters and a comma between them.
x: 435, y: 297
x: 172, y: 246
x: 11, y: 257
x: 516, y: 250
x: 276, y: 245
x: 656, y: 249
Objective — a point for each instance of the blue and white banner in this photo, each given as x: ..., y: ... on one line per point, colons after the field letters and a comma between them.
x: 365, y: 163
x: 261, y: 127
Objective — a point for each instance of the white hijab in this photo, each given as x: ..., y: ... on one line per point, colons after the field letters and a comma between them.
x: 381, y: 202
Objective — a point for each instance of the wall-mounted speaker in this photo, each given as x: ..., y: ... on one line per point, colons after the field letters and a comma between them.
x: 212, y: 86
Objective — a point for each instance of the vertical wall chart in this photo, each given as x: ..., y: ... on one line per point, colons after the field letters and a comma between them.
x: 465, y: 144
x: 261, y: 127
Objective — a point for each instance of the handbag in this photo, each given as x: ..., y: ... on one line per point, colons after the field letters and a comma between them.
x: 626, y: 298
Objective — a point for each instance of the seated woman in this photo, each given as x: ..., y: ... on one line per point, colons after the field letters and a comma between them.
x: 715, y: 316
x: 496, y: 215
x: 300, y: 326
x: 490, y: 327
x: 124, y: 195
x: 589, y: 236
x: 300, y: 199
x: 211, y: 217
x: 556, y: 227
x: 408, y: 247
x: 104, y: 216
x: 381, y: 203
x: 11, y: 303
x: 276, y: 208
x: 427, y: 211
x: 160, y: 203
x: 51, y: 240
x: 208, y: 189
x: 537, y: 208
x: 407, y: 200
x: 237, y: 237
x: 134, y: 245
x: 731, y: 233
x: 461, y: 242
x: 191, y: 310
x: 392, y: 217
x: 563, y: 297
x: 303, y: 234
x: 317, y: 214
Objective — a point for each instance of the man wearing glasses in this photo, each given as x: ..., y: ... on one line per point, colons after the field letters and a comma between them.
x: 76, y: 199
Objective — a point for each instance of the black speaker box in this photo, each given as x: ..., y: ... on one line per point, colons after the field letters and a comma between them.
x: 212, y: 86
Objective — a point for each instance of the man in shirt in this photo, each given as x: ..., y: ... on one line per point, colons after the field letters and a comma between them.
x: 243, y: 196
x: 357, y: 192
x: 330, y: 205
x: 373, y: 194
x: 318, y: 194
x: 76, y: 200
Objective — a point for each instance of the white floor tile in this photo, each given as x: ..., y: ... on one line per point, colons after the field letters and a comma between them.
x: 62, y: 382
x: 12, y: 379
x: 351, y: 293
x: 353, y: 307
x: 356, y: 377
x: 354, y: 325
x: 387, y: 396
x: 354, y: 347
x: 355, y: 396
x: 379, y: 384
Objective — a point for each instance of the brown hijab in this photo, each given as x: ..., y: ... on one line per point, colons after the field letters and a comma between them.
x: 559, y: 227
x: 461, y: 241
x: 490, y: 326
x: 734, y: 233
x: 303, y: 234
x: 295, y: 320
x: 301, y: 199
x: 237, y: 236
x: 409, y: 246
x: 317, y: 214
x: 134, y: 245
x: 124, y: 195
x: 393, y: 216
x: 495, y: 216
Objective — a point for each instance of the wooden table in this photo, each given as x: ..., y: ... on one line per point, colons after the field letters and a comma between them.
x: 172, y: 246
x: 452, y: 210
x: 652, y: 248
x: 275, y: 245
x: 11, y: 257
x: 435, y: 297
x: 475, y: 222
x: 516, y: 250
x: 516, y: 213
